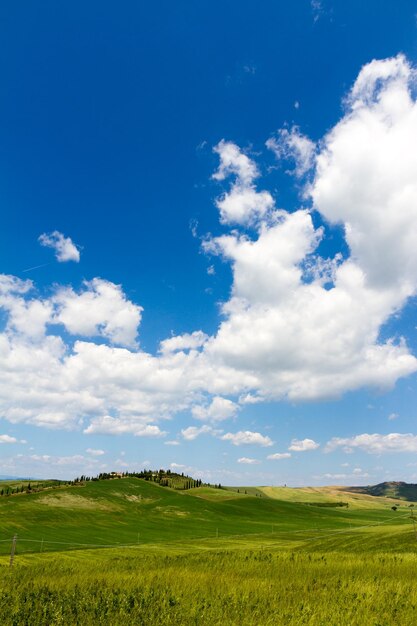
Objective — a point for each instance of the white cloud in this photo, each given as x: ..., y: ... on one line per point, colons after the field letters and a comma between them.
x: 183, y: 342
x: 177, y: 466
x: 246, y: 437
x: 247, y: 461
x: 7, y: 439
x: 302, y: 339
x: 13, y: 285
x: 26, y: 317
x: 296, y: 326
x: 94, y: 452
x: 40, y: 465
x: 375, y: 443
x: 234, y: 162
x: 116, y: 426
x: 393, y: 416
x: 366, y: 178
x: 334, y: 476
x: 302, y: 445
x: 101, y: 309
x: 220, y: 409
x: 172, y: 442
x: 278, y: 456
x: 243, y: 204
x: 74, y: 459
x: 192, y: 432
x: 357, y: 473
x: 249, y: 398
x: 65, y: 249
x: 293, y: 145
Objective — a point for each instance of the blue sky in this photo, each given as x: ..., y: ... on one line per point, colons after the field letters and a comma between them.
x: 208, y: 242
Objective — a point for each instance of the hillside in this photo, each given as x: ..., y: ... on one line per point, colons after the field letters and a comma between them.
x: 135, y: 511
x: 396, y: 490
x: 357, y: 497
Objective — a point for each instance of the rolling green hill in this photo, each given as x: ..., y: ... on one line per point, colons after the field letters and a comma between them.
x: 131, y: 551
x: 357, y: 497
x: 135, y: 511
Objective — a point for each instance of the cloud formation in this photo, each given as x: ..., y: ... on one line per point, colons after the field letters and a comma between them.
x: 302, y: 445
x: 293, y: 145
x: 65, y: 249
x: 278, y: 456
x: 247, y: 437
x: 218, y: 410
x: 242, y: 204
x: 7, y: 439
x: 295, y: 326
x: 375, y: 443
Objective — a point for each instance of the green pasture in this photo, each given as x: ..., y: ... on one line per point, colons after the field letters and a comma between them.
x: 204, y: 557
x: 134, y: 511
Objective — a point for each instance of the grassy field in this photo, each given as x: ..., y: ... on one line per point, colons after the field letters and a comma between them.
x: 204, y: 556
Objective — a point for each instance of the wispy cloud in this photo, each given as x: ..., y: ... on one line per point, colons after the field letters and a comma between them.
x: 278, y: 456
x: 244, y: 460
x: 247, y: 437
x: 65, y: 249
x: 375, y: 443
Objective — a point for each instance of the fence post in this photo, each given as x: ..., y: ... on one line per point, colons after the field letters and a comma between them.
x: 13, y: 550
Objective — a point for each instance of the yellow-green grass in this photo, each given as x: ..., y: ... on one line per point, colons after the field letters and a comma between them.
x: 211, y: 493
x: 203, y: 556
x: 330, y: 495
x: 34, y: 484
x: 243, y: 587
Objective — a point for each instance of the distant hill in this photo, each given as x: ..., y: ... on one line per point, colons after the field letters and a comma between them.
x: 398, y: 490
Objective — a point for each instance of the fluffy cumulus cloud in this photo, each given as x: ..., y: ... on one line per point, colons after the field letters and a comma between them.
x: 295, y: 326
x: 218, y: 410
x: 192, y: 432
x: 188, y: 341
x: 65, y: 249
x: 278, y: 456
x: 242, y: 204
x: 305, y: 338
x: 95, y: 452
x: 7, y: 439
x: 244, y: 460
x: 302, y: 445
x: 100, y: 309
x: 375, y: 443
x: 247, y: 437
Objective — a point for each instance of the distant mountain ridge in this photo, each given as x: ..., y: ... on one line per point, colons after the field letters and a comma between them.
x: 393, y: 489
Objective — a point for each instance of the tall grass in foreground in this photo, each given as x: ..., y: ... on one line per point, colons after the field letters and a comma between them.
x: 228, y: 588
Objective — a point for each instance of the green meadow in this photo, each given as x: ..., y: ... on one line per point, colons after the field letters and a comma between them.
x: 128, y: 551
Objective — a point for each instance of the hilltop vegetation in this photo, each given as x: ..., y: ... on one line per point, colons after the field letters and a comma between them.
x: 162, y: 477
